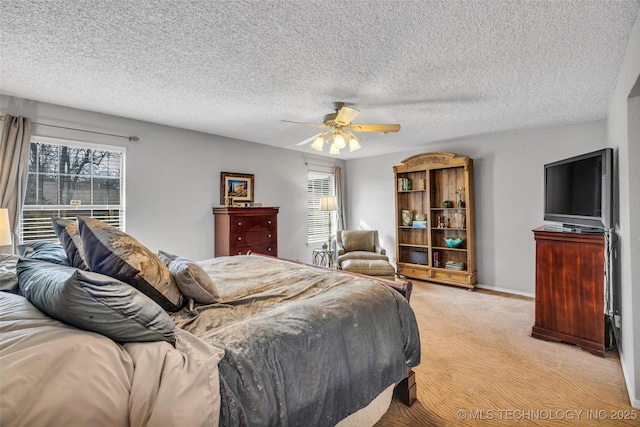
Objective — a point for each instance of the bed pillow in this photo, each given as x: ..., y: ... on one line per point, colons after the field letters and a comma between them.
x: 8, y: 275
x: 93, y: 302
x: 191, y: 279
x: 114, y: 253
x: 44, y: 251
x: 67, y: 232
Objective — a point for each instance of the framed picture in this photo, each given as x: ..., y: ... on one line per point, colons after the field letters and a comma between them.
x: 236, y: 186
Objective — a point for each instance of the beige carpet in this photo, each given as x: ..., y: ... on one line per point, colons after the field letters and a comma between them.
x: 480, y: 366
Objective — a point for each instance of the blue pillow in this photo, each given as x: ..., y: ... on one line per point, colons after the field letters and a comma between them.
x: 93, y: 302
x: 67, y: 232
x: 44, y: 251
x: 114, y: 253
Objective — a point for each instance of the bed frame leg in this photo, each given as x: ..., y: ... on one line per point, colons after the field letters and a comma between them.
x: 406, y: 389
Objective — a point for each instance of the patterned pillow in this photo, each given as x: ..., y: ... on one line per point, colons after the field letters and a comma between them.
x: 93, y: 302
x: 191, y: 279
x: 114, y: 253
x: 44, y: 251
x: 67, y: 232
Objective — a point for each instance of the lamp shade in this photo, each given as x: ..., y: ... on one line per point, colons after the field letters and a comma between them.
x: 328, y: 203
x: 5, y: 228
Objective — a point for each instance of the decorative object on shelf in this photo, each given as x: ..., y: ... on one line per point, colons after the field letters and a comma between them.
x: 329, y: 204
x: 440, y: 222
x: 420, y: 184
x: 419, y: 224
x: 236, y: 187
x: 460, y: 193
x: 453, y: 242
x: 458, y: 220
x: 447, y: 204
x: 454, y: 265
x: 420, y: 217
x: 407, y: 217
x: 437, y: 259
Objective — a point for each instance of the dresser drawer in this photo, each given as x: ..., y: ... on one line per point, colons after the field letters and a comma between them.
x: 266, y: 248
x: 251, y: 238
x: 245, y: 223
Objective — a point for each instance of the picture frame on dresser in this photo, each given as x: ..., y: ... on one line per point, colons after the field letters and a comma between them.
x: 237, y: 187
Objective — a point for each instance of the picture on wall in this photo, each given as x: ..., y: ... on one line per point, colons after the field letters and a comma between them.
x: 236, y: 187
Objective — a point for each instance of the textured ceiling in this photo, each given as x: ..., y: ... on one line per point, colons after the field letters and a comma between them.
x: 442, y: 69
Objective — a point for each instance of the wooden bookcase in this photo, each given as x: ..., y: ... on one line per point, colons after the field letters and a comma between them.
x: 424, y: 182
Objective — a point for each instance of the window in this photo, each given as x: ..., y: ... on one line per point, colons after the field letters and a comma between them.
x: 319, y: 184
x: 68, y: 179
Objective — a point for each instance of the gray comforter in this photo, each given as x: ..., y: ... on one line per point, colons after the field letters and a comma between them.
x: 303, y: 346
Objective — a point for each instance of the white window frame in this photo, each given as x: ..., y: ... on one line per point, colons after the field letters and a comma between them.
x: 41, y: 228
x: 317, y: 220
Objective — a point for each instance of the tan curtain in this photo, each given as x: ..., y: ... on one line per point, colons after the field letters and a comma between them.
x: 337, y: 179
x: 14, y: 164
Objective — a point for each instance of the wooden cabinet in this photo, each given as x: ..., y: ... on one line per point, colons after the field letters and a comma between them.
x: 240, y: 230
x: 425, y: 186
x: 570, y: 275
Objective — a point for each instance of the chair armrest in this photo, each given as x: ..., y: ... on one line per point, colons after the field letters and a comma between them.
x: 380, y: 250
x: 339, y: 248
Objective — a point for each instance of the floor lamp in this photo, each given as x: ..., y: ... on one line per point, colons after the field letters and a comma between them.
x: 329, y: 204
x: 5, y: 228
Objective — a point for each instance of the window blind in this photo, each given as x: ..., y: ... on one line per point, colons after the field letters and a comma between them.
x: 319, y: 184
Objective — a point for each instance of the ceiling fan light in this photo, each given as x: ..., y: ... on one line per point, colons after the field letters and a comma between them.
x: 354, y: 145
x: 334, y: 149
x: 318, y: 144
x: 338, y: 140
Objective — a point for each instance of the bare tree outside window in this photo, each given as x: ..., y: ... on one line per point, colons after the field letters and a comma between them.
x: 69, y: 181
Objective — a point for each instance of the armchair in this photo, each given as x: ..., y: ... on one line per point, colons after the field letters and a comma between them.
x: 359, y: 251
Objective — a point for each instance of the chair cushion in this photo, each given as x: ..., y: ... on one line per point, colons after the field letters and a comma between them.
x: 358, y: 240
x: 362, y: 255
x: 369, y: 267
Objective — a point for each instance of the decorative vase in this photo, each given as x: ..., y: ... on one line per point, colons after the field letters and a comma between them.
x: 460, y: 203
x: 324, y: 246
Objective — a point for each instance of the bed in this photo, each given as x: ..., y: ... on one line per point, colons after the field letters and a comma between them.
x: 243, y: 340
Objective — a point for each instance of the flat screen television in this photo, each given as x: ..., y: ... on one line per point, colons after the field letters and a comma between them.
x: 578, y: 191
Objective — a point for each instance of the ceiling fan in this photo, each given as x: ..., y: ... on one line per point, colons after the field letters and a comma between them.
x: 339, y: 129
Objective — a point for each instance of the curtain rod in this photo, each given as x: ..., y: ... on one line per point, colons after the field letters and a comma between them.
x: 130, y: 138
x: 322, y: 166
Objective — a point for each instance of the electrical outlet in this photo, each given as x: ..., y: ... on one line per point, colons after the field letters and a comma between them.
x: 617, y: 321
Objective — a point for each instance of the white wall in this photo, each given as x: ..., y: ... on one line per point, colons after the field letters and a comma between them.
x: 623, y: 132
x: 508, y: 174
x: 173, y: 178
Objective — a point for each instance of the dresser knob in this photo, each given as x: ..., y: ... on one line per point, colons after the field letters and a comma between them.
x: 269, y: 249
x: 269, y: 235
x: 239, y: 238
x: 239, y: 253
x: 239, y: 224
x: 269, y: 222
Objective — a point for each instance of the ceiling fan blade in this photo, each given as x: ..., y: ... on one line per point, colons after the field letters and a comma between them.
x: 376, y: 128
x: 346, y: 115
x: 308, y: 140
x: 318, y: 125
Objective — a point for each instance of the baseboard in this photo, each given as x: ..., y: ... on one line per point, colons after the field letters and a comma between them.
x: 505, y: 291
x: 628, y: 381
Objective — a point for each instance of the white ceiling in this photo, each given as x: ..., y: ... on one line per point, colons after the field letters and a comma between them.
x: 442, y: 69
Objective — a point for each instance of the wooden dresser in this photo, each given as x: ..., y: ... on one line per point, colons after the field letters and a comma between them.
x: 240, y: 230
x: 570, y: 289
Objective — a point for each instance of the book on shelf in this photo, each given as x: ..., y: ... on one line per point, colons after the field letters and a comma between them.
x: 454, y: 265
x: 419, y: 224
x: 404, y: 184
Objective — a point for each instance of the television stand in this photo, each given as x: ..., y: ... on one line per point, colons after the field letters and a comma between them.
x: 570, y: 281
